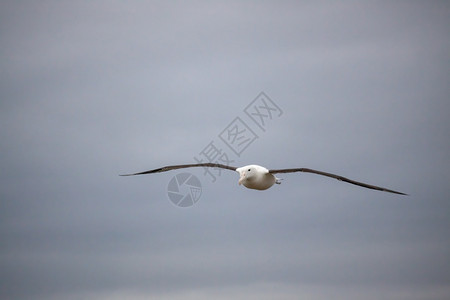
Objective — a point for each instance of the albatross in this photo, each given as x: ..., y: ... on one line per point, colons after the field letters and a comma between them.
x: 259, y: 178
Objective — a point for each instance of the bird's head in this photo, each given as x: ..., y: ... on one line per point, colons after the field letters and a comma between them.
x: 244, y: 174
x: 249, y: 173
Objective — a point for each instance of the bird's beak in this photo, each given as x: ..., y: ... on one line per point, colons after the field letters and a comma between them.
x: 241, y: 178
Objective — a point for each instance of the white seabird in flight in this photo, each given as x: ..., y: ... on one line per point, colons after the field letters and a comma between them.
x: 259, y: 178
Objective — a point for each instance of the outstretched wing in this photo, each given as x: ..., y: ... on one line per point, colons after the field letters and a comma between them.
x: 169, y: 168
x: 340, y: 178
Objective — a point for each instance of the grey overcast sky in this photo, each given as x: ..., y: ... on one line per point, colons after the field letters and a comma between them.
x: 93, y: 89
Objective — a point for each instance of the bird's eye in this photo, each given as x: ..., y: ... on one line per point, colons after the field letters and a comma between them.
x: 249, y: 170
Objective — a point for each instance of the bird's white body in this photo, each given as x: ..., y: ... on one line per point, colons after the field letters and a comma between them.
x: 256, y: 177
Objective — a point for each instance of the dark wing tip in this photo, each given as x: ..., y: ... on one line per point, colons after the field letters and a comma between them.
x: 145, y: 172
x: 395, y: 192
